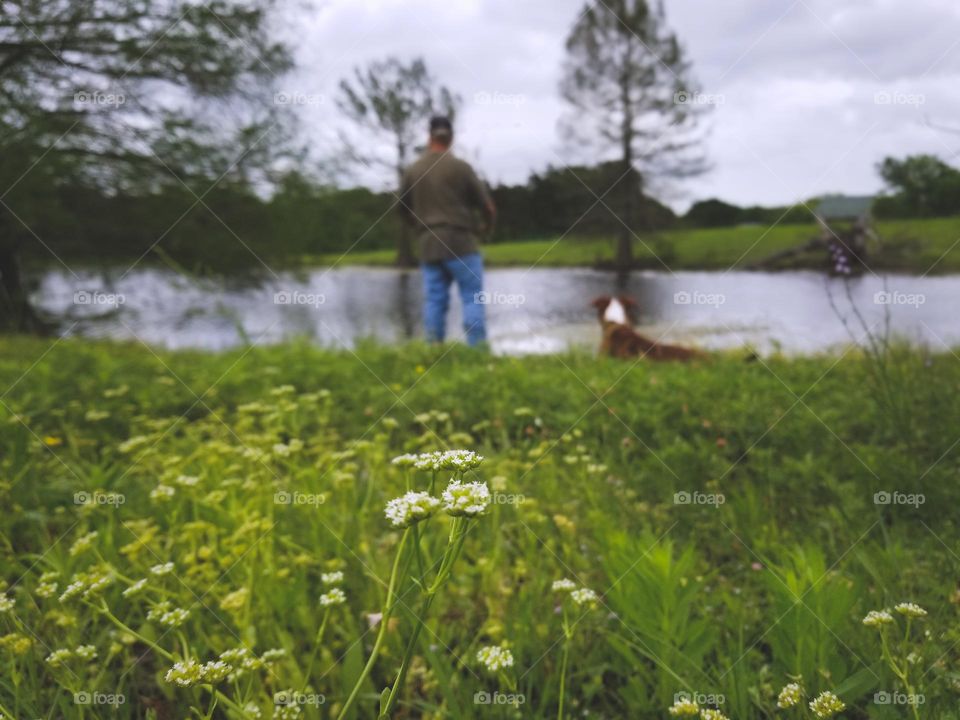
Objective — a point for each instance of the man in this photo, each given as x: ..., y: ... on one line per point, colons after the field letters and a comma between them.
x: 443, y: 198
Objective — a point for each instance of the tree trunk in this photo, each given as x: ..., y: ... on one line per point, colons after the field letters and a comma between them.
x: 16, y: 312
x: 628, y: 214
x: 405, y: 256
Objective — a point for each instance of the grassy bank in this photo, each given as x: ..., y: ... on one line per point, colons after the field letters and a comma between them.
x: 914, y: 246
x: 725, y: 513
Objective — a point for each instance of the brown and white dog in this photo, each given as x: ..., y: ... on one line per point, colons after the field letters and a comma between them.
x: 620, y: 340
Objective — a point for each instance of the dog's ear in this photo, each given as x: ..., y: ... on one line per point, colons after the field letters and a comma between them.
x: 601, y: 302
x: 629, y: 306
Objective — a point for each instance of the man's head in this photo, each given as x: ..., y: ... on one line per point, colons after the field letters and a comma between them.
x: 441, y: 131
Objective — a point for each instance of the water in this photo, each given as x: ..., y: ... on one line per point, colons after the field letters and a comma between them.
x: 531, y: 311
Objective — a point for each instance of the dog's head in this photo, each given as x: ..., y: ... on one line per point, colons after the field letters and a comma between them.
x: 620, y: 310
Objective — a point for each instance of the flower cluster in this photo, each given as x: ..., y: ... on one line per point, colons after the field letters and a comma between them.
x: 584, y: 596
x: 16, y: 643
x: 685, y: 707
x: 790, y: 696
x: 457, y: 460
x: 466, y: 499
x: 411, y: 508
x: 165, y: 614
x: 231, y: 665
x: 910, y: 610
x: 826, y: 705
x: 162, y: 569
x: 61, y: 656
x: 6, y: 603
x: 495, y: 657
x: 580, y: 596
x: 332, y: 578
x: 86, y: 584
x: 335, y: 596
x: 877, y: 618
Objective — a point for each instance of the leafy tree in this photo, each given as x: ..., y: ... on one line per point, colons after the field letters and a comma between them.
x: 393, y: 100
x: 626, y: 79
x: 127, y: 96
x: 924, y: 185
x: 713, y: 213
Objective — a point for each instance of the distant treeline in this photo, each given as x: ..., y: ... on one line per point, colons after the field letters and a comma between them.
x: 234, y: 228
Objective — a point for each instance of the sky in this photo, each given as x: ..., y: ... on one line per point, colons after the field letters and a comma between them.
x: 806, y: 96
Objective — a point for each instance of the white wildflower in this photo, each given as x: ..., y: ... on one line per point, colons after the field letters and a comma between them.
x: 911, y: 610
x: 336, y: 596
x: 411, y: 508
x: 790, y: 695
x: 495, y: 657
x: 162, y: 569
x: 826, y: 705
x: 684, y: 707
x: 565, y: 585
x: 332, y: 578
x: 877, y: 618
x: 584, y: 596
x: 466, y: 499
x: 135, y: 588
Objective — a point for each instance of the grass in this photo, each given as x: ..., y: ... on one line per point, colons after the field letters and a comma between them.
x: 915, y: 246
x: 725, y: 513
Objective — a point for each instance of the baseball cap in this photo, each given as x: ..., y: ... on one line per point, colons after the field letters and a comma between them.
x: 440, y: 124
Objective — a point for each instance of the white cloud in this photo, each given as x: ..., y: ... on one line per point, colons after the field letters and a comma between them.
x: 801, y: 81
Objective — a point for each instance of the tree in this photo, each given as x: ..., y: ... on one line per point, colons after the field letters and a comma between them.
x: 713, y: 213
x: 119, y: 95
x: 924, y: 185
x: 395, y: 100
x: 626, y: 79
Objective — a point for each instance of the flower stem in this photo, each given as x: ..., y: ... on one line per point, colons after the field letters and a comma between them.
x: 381, y: 634
x: 316, y: 648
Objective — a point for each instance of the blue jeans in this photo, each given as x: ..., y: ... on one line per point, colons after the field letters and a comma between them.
x: 437, y: 276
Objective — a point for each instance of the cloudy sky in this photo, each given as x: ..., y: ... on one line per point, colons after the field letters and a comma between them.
x: 810, y: 94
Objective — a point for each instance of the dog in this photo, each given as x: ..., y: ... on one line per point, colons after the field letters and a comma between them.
x: 620, y: 340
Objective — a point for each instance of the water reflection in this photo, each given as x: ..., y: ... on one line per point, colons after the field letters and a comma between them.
x: 531, y: 311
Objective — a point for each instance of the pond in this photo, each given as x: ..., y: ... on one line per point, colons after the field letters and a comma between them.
x: 529, y: 311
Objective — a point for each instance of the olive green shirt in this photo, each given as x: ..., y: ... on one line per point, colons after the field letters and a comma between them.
x: 442, y: 198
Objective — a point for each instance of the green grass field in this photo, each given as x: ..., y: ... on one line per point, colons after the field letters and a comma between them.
x: 172, y: 522
x: 915, y: 246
